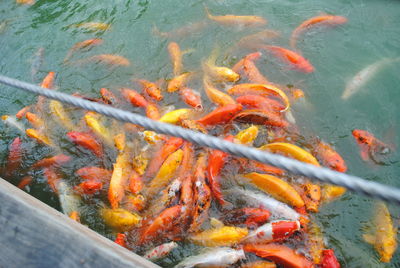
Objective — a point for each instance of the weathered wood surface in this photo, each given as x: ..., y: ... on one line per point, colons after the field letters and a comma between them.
x: 33, y: 234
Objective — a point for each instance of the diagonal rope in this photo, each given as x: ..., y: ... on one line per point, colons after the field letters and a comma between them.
x: 353, y: 183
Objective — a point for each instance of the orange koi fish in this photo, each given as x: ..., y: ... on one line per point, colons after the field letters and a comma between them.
x: 14, y: 159
x: 108, y: 97
x: 120, y: 239
x: 238, y: 67
x: 280, y: 254
x: 183, y: 31
x: 170, y: 146
x: 216, y: 96
x: 57, y: 160
x: 259, y: 264
x: 329, y: 157
x: 87, y: 141
x: 109, y: 59
x: 161, y: 224
x: 48, y: 81
x: 175, y: 54
x: 250, y: 217
x: 94, y: 173
x: 260, y: 117
x: 260, y: 102
x: 220, y: 115
x: 178, y: 82
x: 292, y: 58
x: 324, y: 19
x: 191, y: 98
x: 87, y: 44
x: 252, y: 73
x: 152, y: 111
x: 25, y: 2
x: 119, y: 179
x: 202, y: 194
x: 134, y: 97
x: 370, y: 146
x: 235, y: 20
x: 24, y: 182
x: 273, y: 231
x: 329, y: 259
x: 21, y: 113
x: 88, y: 187
x: 35, y: 120
x: 151, y: 89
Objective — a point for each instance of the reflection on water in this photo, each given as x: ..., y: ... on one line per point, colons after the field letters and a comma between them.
x: 141, y: 30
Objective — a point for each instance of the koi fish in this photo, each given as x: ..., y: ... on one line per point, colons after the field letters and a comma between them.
x: 160, y: 251
x: 202, y: 194
x: 248, y: 41
x: 220, y: 115
x: 120, y: 219
x: 364, y: 76
x: 60, y: 115
x: 120, y: 239
x: 216, y: 96
x: 278, y: 209
x: 384, y: 234
x: 152, y: 111
x: 220, y: 73
x: 235, y: 20
x: 134, y: 97
x: 37, y: 62
x: 329, y: 259
x: 69, y: 201
x: 189, y: 29
x: 87, y: 141
x: 220, y: 256
x: 178, y: 82
x: 109, y: 59
x: 370, y: 146
x: 119, y: 179
x: 259, y: 264
x: 41, y: 138
x: 108, y: 97
x: 222, y: 236
x: 323, y: 19
x: 261, y: 103
x: 176, y: 116
x: 175, y: 54
x: 315, y: 241
x: 292, y: 151
x: 151, y: 89
x: 280, y: 254
x: 25, y: 2
x: 290, y: 57
x: 89, y: 187
x: 276, y: 187
x: 260, y: 117
x: 98, y: 128
x: 87, y: 44
x: 14, y: 159
x: 13, y: 122
x: 273, y: 231
x: 21, y: 113
x: 57, y: 160
x: 35, y: 120
x: 24, y: 182
x: 329, y: 157
x: 238, y: 67
x: 191, y: 98
x: 250, y: 217
x: 93, y: 26
x: 248, y: 135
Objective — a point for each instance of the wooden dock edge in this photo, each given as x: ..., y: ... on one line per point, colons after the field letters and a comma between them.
x: 32, y: 234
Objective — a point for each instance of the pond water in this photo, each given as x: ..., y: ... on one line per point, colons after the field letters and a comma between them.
x: 371, y: 34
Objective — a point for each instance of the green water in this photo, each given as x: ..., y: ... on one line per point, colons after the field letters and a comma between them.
x: 372, y: 33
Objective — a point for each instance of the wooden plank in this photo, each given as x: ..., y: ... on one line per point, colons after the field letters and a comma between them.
x: 32, y: 234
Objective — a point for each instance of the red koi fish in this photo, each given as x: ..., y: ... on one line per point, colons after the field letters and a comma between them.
x: 238, y: 67
x: 324, y: 19
x: 94, y: 173
x: 220, y: 115
x: 329, y: 259
x: 86, y: 141
x: 216, y: 161
x: 134, y: 97
x: 25, y: 181
x: 261, y: 102
x: 89, y: 187
x: 120, y: 239
x: 191, y: 98
x: 329, y: 157
x: 369, y: 145
x: 151, y: 89
x: 292, y: 58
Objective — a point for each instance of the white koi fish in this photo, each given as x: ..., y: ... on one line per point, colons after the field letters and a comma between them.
x: 160, y: 251
x: 213, y: 256
x: 364, y: 76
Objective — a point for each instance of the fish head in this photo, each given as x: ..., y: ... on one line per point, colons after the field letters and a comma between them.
x: 339, y: 20
x: 363, y: 136
x: 306, y: 66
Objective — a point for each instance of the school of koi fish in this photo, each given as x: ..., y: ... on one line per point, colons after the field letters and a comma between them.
x: 158, y: 193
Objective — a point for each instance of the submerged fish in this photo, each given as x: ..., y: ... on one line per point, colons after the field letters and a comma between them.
x: 384, y: 236
x: 69, y: 201
x: 323, y: 19
x: 37, y: 62
x: 13, y: 122
x: 235, y: 20
x: 364, y: 76
x: 222, y: 256
x: 370, y: 146
x: 93, y: 26
x: 160, y: 251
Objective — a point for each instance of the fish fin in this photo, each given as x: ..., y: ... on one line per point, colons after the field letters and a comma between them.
x: 208, y: 12
x: 364, y: 153
x: 369, y: 238
x: 188, y: 51
x: 215, y: 223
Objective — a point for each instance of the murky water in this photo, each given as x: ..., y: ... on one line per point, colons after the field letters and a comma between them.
x: 372, y: 33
